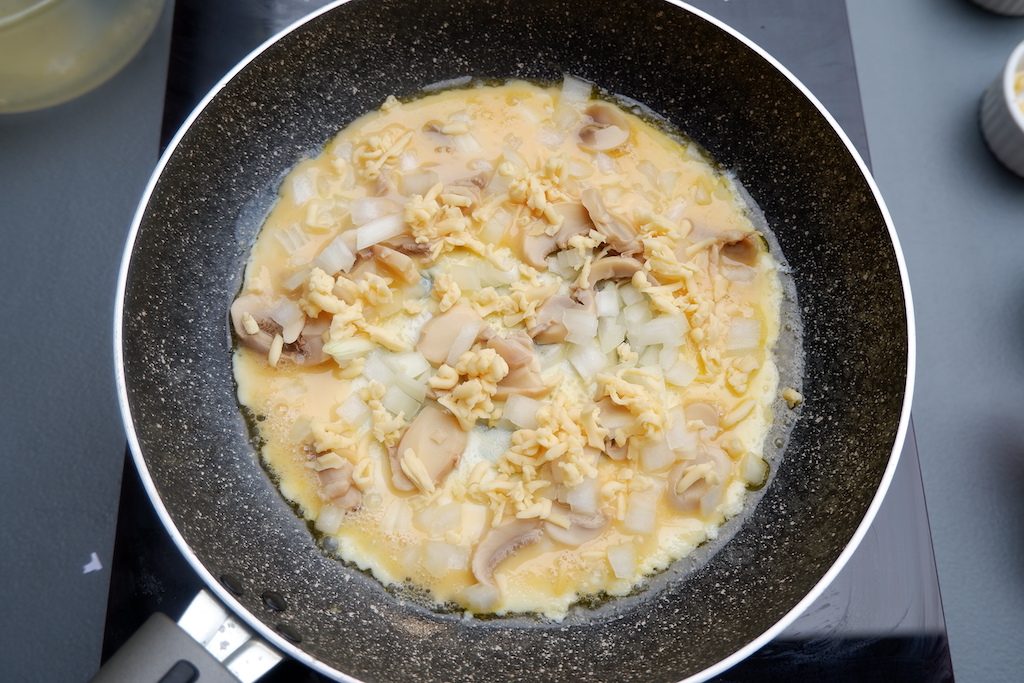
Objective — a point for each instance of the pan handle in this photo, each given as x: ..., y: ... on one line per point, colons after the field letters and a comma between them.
x: 206, y: 645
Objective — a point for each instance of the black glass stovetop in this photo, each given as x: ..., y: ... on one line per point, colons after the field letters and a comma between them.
x: 880, y: 620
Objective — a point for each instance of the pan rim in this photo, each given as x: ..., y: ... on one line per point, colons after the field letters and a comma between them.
x: 300, y: 655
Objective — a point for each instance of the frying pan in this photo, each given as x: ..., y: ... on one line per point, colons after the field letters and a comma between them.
x: 204, y: 205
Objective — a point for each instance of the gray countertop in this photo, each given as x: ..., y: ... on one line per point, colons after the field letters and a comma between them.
x: 960, y: 216
x: 70, y: 178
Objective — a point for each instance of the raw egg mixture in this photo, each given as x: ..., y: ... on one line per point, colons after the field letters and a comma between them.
x: 510, y: 345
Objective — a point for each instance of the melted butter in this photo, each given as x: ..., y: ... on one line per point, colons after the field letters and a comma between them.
x: 391, y: 533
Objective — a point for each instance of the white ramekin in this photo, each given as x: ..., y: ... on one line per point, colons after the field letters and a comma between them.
x: 1002, y: 121
x: 1012, y: 8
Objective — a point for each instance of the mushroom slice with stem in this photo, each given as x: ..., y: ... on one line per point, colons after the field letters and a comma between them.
x: 336, y: 487
x: 582, y: 528
x: 549, y: 328
x: 535, y: 248
x: 250, y: 317
x: 440, y: 332
x: 429, y: 449
x: 697, y: 486
x: 613, y: 268
x: 744, y: 251
x: 500, y: 543
x: 607, y: 129
x: 619, y: 236
x: 516, y: 349
x: 525, y: 381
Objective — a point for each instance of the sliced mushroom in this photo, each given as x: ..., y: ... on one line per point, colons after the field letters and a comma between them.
x: 582, y: 528
x: 744, y: 251
x: 534, y: 249
x: 336, y: 481
x: 407, y: 244
x: 613, y: 268
x: 500, y: 543
x: 704, y: 412
x: 516, y: 349
x: 619, y: 236
x: 704, y: 493
x: 549, y: 328
x: 439, y: 332
x: 308, y: 347
x: 525, y: 381
x: 608, y: 128
x: 524, y: 376
x: 436, y: 439
x: 575, y: 221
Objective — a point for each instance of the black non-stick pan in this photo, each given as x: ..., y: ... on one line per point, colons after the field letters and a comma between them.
x: 183, y: 265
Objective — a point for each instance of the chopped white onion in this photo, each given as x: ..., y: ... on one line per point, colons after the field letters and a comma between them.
x: 463, y: 342
x: 329, y: 520
x: 378, y: 370
x: 491, y: 276
x: 640, y: 512
x: 413, y: 388
x: 648, y: 357
x: 667, y: 330
x: 466, y: 144
x: 335, y: 257
x: 649, y: 170
x: 584, y: 497
x: 527, y: 114
x: 408, y: 161
x: 622, y: 558
x: 630, y: 295
x: 678, y: 437
x: 521, y: 411
x: 667, y: 356
x: 610, y: 333
x: 292, y: 238
x: 575, y: 90
x: 496, y: 226
x: 304, y: 186
x: 607, y: 301
x: 635, y: 315
x: 744, y: 335
x: 481, y: 166
x: 411, y: 363
x: 466, y: 277
x: 365, y: 209
x: 569, y: 260
x: 296, y: 279
x: 681, y: 374
x: 323, y: 214
x: 397, y: 401
x: 354, y: 411
x: 579, y: 169
x: 676, y: 210
x: 345, y: 349
x: 550, y: 138
x: 378, y: 230
x: 667, y: 181
x: 440, y: 558
x: 753, y: 469
x: 588, y: 360
x: 437, y: 520
x: 656, y: 456
x: 581, y: 326
x: 550, y: 355
x: 480, y: 596
x: 605, y: 164
x: 290, y: 317
x: 418, y: 183
x: 616, y: 419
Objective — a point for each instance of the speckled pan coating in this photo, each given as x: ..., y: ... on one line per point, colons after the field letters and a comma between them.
x: 217, y: 186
